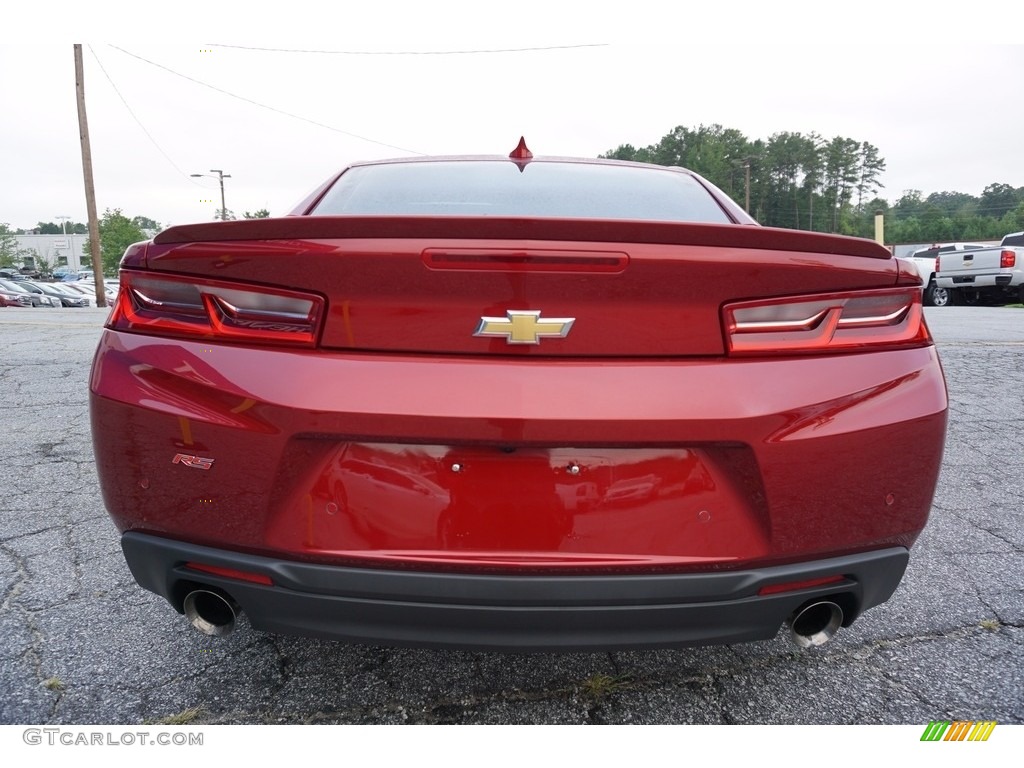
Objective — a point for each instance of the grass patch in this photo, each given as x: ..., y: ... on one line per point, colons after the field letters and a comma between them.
x: 991, y: 624
x: 598, y: 686
x: 53, y: 684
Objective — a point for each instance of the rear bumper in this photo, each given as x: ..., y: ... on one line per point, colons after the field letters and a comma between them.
x: 991, y: 280
x: 512, y: 612
x: 697, y: 464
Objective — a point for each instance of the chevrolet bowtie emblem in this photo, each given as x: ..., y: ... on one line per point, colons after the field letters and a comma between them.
x: 524, y: 327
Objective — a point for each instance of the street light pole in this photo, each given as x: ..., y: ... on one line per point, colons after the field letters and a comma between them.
x: 221, y: 176
x: 223, y: 205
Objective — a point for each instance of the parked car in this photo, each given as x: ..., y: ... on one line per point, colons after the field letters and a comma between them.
x: 17, y: 286
x: 9, y: 298
x: 18, y: 274
x: 66, y: 296
x: 374, y: 420
x: 88, y: 289
x: 84, y: 274
x: 926, y: 258
x: 47, y: 299
x: 989, y: 274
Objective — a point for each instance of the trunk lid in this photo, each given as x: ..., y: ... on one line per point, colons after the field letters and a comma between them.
x: 491, y: 286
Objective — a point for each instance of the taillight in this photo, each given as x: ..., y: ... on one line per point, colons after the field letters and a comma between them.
x: 938, y: 267
x: 1007, y: 259
x: 837, y: 322
x: 215, y: 310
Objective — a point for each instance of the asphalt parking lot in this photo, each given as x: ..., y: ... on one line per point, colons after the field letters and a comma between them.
x: 80, y: 643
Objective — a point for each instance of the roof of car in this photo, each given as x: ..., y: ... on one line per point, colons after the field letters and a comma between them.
x: 534, y: 159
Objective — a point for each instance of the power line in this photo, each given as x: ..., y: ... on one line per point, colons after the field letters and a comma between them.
x: 135, y: 117
x: 266, y: 106
x: 414, y: 53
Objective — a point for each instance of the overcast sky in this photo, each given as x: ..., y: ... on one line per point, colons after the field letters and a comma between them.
x: 161, y: 107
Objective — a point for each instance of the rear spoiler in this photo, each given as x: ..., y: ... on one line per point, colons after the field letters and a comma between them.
x: 501, y: 228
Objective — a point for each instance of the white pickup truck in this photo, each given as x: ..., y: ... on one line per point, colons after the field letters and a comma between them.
x: 925, y: 259
x: 995, y: 273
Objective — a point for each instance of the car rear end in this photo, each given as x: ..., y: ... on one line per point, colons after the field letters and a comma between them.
x: 990, y: 273
x: 516, y: 431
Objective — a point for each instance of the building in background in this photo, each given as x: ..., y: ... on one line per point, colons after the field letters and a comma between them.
x: 47, y: 252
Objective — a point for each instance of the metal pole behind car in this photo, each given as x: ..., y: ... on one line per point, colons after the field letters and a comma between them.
x: 90, y: 189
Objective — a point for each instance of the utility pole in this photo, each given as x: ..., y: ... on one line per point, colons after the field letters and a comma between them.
x: 221, y: 176
x: 90, y: 190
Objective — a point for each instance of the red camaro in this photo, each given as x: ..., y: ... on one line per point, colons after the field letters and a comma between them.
x: 517, y: 403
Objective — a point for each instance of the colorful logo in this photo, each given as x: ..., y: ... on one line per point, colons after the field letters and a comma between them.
x: 958, y: 730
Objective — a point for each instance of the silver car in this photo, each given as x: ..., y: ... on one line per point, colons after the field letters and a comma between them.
x: 66, y: 296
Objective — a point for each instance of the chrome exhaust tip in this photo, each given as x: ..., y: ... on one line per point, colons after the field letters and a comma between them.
x: 210, y: 612
x: 815, y: 623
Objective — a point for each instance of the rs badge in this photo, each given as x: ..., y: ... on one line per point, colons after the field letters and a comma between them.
x: 193, y: 461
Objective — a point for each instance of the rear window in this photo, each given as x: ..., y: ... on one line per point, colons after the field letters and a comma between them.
x: 540, y: 189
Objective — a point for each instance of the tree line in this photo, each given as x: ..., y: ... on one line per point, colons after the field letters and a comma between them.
x: 805, y: 181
